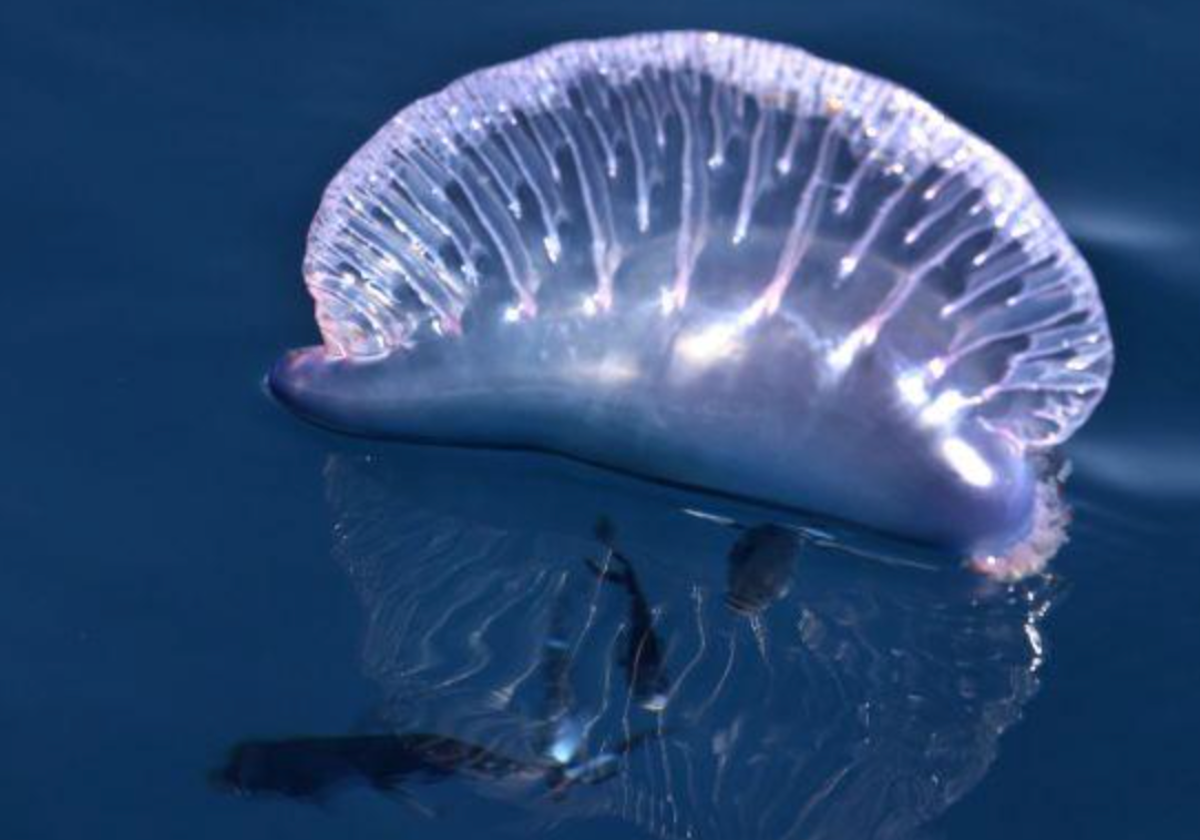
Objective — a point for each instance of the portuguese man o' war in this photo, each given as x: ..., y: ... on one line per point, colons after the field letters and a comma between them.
x: 718, y: 262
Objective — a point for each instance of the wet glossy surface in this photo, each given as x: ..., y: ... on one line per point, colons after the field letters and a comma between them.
x: 175, y: 580
x: 718, y: 261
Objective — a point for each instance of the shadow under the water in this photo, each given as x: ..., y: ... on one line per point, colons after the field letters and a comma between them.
x: 584, y: 646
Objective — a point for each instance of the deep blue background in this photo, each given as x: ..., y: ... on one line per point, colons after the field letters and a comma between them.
x: 165, y: 582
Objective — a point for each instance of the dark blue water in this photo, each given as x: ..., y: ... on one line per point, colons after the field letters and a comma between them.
x: 185, y: 567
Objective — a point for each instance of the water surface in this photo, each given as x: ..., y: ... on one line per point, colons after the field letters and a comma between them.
x: 186, y: 567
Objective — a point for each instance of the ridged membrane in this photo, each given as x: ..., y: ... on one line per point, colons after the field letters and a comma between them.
x: 702, y: 171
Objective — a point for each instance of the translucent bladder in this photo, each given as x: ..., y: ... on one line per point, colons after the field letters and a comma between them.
x: 716, y: 261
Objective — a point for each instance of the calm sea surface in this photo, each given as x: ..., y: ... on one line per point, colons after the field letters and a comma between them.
x: 185, y: 568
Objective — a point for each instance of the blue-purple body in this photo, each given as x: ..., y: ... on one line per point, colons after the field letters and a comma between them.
x: 712, y: 261
x: 762, y: 423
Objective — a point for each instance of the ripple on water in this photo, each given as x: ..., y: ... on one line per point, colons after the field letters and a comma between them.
x: 687, y: 666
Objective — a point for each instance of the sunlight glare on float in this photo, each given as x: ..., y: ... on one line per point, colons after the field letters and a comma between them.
x: 968, y: 463
x: 944, y: 408
x: 911, y: 385
x: 845, y: 353
x: 612, y: 370
x: 709, y: 344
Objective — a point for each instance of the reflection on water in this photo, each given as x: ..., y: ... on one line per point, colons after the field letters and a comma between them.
x: 582, y: 650
x: 314, y: 768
